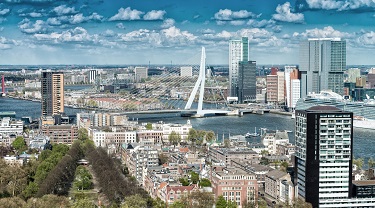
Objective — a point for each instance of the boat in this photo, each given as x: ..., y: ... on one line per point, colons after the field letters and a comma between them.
x: 254, y: 134
x: 361, y: 109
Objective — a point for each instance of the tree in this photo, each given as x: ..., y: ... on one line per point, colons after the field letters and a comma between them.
x: 174, y: 138
x: 371, y: 162
x: 232, y: 204
x: 135, y: 201
x: 221, y: 202
x: 48, y: 201
x: 12, y: 202
x: 358, y: 162
x: 149, y: 126
x: 184, y: 181
x: 226, y: 143
x: 158, y: 203
x: 82, y: 179
x: 17, y: 181
x: 193, y: 135
x: 19, y: 144
x: 84, y: 203
x: 205, y: 183
x: 262, y: 203
x: 284, y: 166
x: 210, y: 136
x: 82, y: 134
x: 194, y: 177
x: 199, y: 199
x: 30, y: 190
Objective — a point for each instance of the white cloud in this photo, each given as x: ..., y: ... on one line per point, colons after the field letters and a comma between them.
x: 237, y: 22
x: 284, y: 14
x: 120, y: 25
x: 207, y: 31
x: 168, y: 23
x: 35, y: 14
x: 77, y: 34
x: 261, y: 24
x: 26, y: 26
x: 326, y: 32
x: 341, y: 5
x: 154, y: 15
x: 2, y: 19
x: 4, y: 43
x: 4, y: 12
x: 366, y: 40
x: 127, y: 14
x: 168, y: 37
x: 53, y: 21
x: 227, y: 15
x: 64, y: 10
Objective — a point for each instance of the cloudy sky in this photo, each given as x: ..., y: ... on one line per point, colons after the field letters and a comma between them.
x: 139, y: 31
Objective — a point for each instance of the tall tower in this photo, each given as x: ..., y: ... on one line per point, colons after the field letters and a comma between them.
x: 92, y: 75
x: 323, y: 159
x: 238, y: 52
x: 246, y: 81
x: 3, y: 86
x: 52, y: 88
x: 322, y: 65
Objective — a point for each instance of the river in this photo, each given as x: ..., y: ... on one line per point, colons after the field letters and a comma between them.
x: 233, y: 125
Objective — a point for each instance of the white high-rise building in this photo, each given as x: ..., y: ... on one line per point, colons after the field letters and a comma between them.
x: 238, y: 52
x: 292, y: 86
x: 140, y: 73
x: 92, y: 75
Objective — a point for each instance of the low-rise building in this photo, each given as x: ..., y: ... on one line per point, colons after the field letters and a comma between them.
x: 225, y: 155
x: 278, y: 186
x: 104, y: 138
x: 258, y: 170
x: 273, y: 138
x: 10, y: 126
x: 61, y: 134
x: 234, y: 184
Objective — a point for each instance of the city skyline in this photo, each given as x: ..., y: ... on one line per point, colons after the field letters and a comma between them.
x: 34, y: 32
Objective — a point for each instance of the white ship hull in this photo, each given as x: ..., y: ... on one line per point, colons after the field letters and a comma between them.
x: 364, y: 124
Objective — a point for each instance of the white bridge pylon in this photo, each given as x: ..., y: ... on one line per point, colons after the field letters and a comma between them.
x: 200, y: 82
x: 200, y: 85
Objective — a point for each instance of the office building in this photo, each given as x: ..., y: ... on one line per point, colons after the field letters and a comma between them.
x: 275, y: 87
x: 92, y: 75
x: 322, y: 65
x: 141, y: 73
x: 186, y: 71
x: 246, y: 85
x: 323, y: 159
x: 52, y: 90
x: 238, y: 52
x: 292, y: 86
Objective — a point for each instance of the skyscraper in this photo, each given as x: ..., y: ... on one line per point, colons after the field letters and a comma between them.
x: 322, y: 65
x: 92, y: 75
x: 292, y: 86
x: 52, y: 88
x: 323, y: 159
x: 246, y: 89
x: 238, y: 51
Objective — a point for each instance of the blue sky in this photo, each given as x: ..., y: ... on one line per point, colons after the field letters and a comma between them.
x: 139, y: 31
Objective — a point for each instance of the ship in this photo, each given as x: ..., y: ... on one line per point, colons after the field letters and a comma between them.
x: 363, y: 111
x: 254, y: 134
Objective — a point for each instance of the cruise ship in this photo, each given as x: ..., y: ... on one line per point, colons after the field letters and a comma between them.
x: 364, y: 112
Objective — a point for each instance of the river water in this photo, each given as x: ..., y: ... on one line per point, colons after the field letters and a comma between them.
x: 222, y: 125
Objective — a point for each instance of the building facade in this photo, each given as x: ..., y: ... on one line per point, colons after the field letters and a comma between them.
x: 275, y: 87
x: 238, y: 52
x: 61, y: 134
x: 246, y: 86
x: 92, y: 75
x: 52, y: 90
x: 140, y: 73
x: 322, y: 65
x: 323, y: 159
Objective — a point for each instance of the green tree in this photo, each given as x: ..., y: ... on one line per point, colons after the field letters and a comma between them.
x: 226, y: 143
x: 178, y: 204
x: 194, y: 177
x: 83, y: 178
x: 184, y: 181
x: 30, y: 190
x: 83, y: 134
x: 12, y: 202
x: 17, y: 181
x: 358, y: 162
x: 371, y: 162
x: 193, y: 135
x: 84, y: 203
x: 210, y: 136
x: 149, y: 126
x: 174, y: 138
x: 135, y: 201
x: 19, y: 144
x: 262, y: 203
x: 221, y: 202
x: 48, y: 201
x: 158, y: 203
x: 284, y: 166
x: 231, y: 204
x: 205, y: 183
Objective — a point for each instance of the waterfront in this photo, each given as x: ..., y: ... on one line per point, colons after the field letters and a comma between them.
x: 363, y: 139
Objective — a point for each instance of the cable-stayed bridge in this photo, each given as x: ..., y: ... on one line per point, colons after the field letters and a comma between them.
x: 196, y: 96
